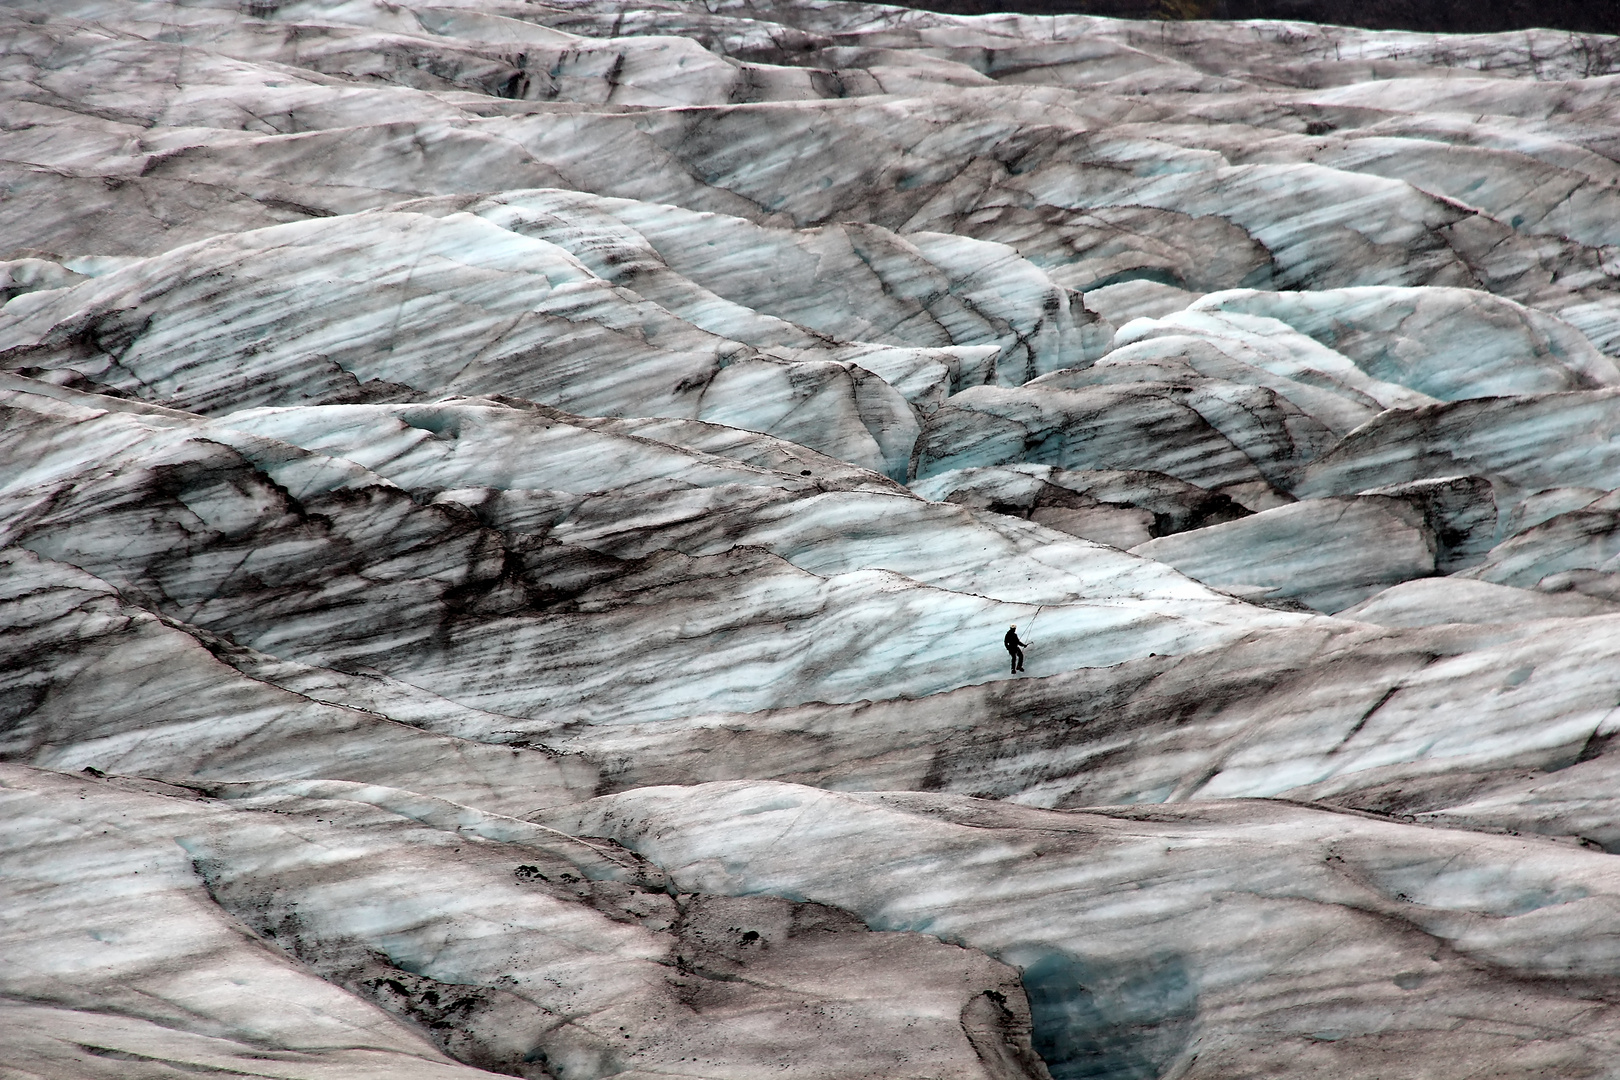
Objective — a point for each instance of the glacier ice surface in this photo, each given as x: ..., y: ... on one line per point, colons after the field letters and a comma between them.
x: 508, y: 514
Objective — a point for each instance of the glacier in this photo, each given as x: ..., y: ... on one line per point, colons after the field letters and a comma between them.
x: 508, y: 513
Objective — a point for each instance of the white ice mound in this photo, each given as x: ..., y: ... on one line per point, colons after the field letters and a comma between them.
x: 1446, y: 343
x: 1429, y: 601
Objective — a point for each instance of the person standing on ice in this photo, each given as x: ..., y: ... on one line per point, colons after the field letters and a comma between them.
x: 1015, y: 648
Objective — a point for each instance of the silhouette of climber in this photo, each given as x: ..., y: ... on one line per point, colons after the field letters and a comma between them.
x: 1015, y: 648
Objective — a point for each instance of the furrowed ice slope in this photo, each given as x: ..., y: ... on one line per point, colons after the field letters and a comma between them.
x: 519, y: 950
x: 485, y: 565
x: 417, y: 418
x: 1231, y: 939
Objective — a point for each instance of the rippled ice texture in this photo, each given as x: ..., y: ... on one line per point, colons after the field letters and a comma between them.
x: 509, y: 512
